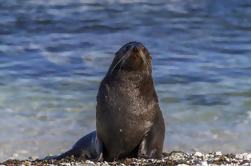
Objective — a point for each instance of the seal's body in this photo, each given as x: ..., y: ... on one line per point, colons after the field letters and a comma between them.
x: 129, y: 122
x: 128, y: 117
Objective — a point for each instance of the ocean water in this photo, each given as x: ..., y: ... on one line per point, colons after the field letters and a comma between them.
x: 53, y: 55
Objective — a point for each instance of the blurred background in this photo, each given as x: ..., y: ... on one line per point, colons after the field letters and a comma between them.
x: 53, y: 55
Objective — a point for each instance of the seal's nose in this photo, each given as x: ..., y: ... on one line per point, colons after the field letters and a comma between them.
x: 135, y: 48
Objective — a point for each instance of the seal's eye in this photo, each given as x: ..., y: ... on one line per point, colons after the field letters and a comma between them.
x: 127, y: 47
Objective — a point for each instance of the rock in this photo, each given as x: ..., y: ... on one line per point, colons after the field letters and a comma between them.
x: 15, y: 155
x: 204, y: 163
x: 198, y: 154
x: 33, y: 158
x: 218, y: 153
x: 239, y: 156
x: 247, y: 156
x: 66, y: 164
x: 89, y: 163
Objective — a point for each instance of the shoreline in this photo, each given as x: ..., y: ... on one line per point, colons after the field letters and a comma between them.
x: 173, y: 158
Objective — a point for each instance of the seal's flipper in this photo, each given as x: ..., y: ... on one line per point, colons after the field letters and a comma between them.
x: 88, y: 147
x: 152, y: 143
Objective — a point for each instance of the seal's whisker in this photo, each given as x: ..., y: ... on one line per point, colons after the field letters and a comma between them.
x: 119, y: 61
x: 144, y: 59
x: 116, y: 64
x: 124, y: 59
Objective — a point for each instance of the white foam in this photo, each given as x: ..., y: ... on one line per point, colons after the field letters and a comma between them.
x: 249, y: 114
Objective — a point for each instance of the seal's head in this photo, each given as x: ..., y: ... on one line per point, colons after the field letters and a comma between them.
x: 133, y: 56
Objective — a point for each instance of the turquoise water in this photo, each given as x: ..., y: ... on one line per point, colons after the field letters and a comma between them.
x: 53, y: 55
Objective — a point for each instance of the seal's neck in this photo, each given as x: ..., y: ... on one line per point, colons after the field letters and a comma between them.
x: 135, y: 78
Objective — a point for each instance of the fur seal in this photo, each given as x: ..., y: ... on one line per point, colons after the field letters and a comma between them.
x: 129, y: 122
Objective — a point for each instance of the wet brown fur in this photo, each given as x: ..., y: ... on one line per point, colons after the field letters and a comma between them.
x: 128, y: 117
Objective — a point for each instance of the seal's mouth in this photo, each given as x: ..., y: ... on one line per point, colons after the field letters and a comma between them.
x: 131, y: 57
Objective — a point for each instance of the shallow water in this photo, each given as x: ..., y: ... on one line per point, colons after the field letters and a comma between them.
x: 53, y: 55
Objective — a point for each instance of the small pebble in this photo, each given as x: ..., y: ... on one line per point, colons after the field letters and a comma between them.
x: 66, y: 164
x: 88, y: 162
x: 198, y: 154
x: 239, y: 156
x: 32, y: 158
x: 175, y: 158
x: 248, y: 156
x: 15, y: 155
x: 218, y: 153
x: 204, y: 163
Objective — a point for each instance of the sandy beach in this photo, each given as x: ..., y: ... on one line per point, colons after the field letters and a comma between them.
x: 173, y: 158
